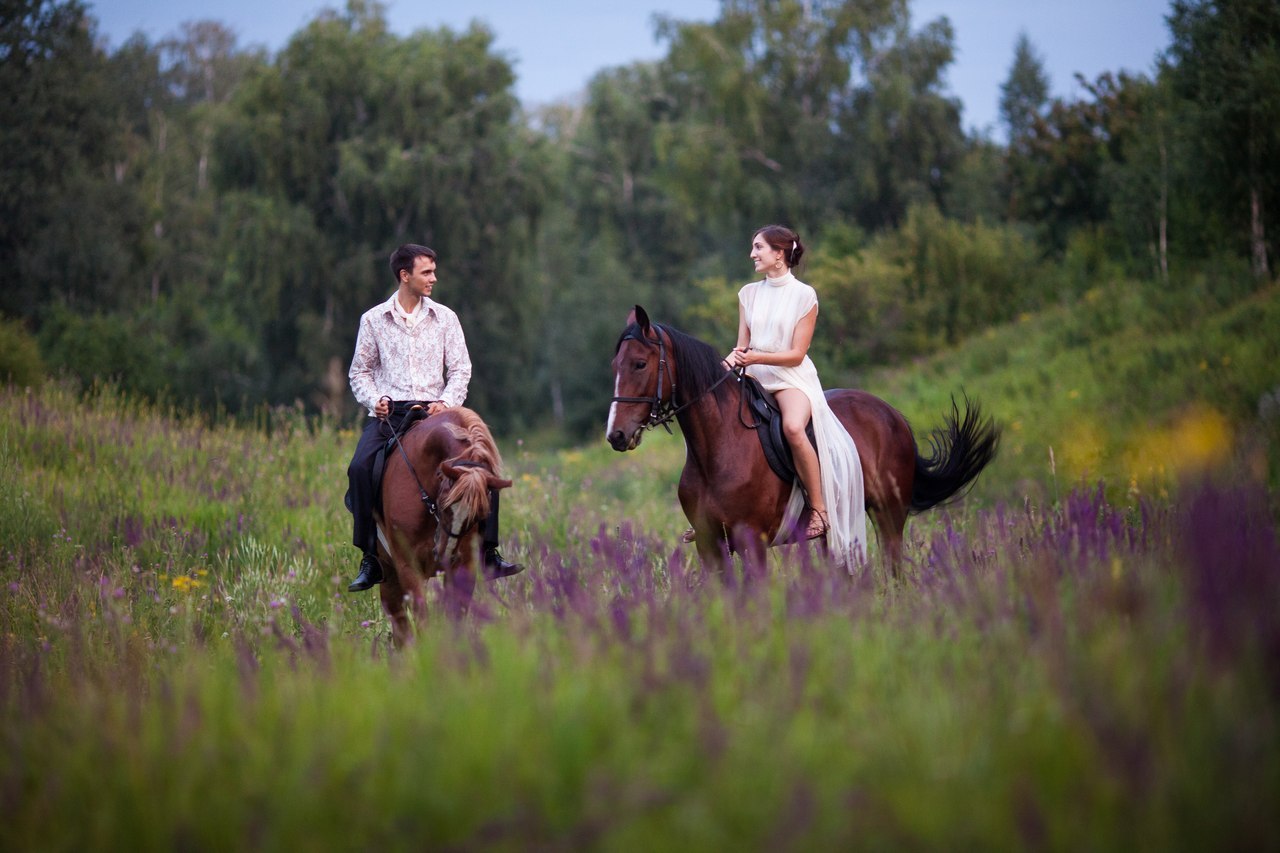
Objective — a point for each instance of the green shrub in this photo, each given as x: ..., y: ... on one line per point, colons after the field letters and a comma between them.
x: 20, y: 361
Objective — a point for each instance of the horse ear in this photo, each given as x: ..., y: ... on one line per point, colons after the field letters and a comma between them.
x: 639, y: 315
x: 498, y: 483
x: 447, y: 468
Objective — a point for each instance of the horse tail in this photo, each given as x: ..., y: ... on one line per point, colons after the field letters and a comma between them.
x: 961, y: 448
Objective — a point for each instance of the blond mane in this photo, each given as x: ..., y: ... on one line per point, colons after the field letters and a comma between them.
x: 470, y: 493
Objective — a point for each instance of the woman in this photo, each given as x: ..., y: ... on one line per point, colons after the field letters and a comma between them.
x: 776, y: 317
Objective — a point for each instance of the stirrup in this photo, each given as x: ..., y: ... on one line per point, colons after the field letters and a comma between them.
x: 820, y: 516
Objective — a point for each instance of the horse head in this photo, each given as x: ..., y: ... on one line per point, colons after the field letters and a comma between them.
x: 464, y: 487
x: 643, y: 381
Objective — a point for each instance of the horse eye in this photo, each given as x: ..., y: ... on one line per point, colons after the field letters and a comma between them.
x: 639, y: 365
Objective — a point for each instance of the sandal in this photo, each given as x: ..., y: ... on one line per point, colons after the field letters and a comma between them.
x: 688, y: 536
x: 818, y: 524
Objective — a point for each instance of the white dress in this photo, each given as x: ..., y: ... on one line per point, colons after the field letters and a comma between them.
x: 773, y: 307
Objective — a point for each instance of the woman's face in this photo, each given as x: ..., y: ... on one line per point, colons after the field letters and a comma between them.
x: 767, y: 260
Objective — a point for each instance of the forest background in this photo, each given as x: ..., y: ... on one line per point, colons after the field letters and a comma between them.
x: 203, y: 224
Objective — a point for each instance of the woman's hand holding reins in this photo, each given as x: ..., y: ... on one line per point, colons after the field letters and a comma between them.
x: 737, y: 357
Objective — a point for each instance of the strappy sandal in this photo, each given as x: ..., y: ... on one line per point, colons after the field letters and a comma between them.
x: 819, y: 529
x: 688, y: 536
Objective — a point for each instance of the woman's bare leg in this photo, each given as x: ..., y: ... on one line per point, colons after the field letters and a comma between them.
x: 796, y: 411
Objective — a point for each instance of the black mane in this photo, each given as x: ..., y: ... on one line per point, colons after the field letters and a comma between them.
x: 697, y: 364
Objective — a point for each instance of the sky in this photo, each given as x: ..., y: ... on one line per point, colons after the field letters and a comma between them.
x: 557, y: 45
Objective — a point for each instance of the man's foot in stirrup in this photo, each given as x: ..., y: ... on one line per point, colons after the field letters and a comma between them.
x: 370, y: 574
x: 496, y: 567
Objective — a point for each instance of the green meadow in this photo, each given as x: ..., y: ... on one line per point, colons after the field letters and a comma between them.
x: 1084, y: 653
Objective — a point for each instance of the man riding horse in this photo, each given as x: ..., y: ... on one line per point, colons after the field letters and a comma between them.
x: 410, y: 355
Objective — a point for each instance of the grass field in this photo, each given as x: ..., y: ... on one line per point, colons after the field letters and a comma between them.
x: 1085, y: 654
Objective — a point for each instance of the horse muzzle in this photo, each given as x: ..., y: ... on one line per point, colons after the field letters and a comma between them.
x: 621, y: 442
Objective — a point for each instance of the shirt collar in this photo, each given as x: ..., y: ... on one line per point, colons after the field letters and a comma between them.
x: 425, y: 307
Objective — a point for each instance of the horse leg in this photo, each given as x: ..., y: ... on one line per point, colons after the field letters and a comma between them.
x: 393, y: 603
x: 748, y: 542
x: 459, y: 587
x: 713, y: 551
x: 890, y: 523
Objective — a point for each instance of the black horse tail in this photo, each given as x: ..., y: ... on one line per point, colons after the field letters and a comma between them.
x: 961, y: 448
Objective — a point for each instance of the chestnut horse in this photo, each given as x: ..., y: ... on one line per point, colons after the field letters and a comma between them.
x: 435, y: 498
x: 730, y: 495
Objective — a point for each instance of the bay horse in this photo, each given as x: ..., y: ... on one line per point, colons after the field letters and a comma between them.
x: 732, y: 498
x: 435, y: 498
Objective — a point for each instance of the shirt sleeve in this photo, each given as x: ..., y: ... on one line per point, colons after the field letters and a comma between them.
x: 808, y: 300
x: 457, y: 364
x: 362, y: 365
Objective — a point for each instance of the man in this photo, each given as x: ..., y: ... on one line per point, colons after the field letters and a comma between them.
x: 410, y: 351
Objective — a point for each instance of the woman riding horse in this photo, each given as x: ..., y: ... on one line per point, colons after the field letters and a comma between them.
x: 728, y: 490
x: 776, y: 318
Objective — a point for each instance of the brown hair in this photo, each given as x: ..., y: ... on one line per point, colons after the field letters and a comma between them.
x: 782, y: 239
x: 406, y: 256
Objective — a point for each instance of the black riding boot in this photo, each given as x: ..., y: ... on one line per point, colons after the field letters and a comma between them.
x: 494, y: 565
x: 370, y: 574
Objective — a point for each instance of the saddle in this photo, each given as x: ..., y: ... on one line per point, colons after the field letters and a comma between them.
x: 766, y: 420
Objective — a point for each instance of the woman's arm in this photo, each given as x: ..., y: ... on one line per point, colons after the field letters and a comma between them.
x: 744, y: 339
x: 800, y: 340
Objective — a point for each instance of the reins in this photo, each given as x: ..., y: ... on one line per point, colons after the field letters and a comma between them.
x: 662, y: 413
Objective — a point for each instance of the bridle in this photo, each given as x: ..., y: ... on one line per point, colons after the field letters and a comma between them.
x: 663, y: 412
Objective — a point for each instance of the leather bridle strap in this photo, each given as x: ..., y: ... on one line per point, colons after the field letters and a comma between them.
x: 660, y: 413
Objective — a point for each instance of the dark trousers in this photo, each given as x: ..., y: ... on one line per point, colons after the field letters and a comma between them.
x: 360, y: 496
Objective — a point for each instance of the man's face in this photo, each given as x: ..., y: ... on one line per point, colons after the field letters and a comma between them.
x: 423, y: 278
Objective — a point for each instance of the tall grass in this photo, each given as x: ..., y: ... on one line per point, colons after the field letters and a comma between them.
x: 181, y: 666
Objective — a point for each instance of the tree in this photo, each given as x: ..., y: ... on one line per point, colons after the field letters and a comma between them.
x: 1225, y: 58
x: 902, y: 135
x: 56, y: 137
x: 766, y: 91
x: 1024, y: 106
x: 355, y: 140
x: 1148, y: 161
x: 1024, y: 94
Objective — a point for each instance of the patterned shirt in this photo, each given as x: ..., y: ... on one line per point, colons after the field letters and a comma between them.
x: 403, y: 362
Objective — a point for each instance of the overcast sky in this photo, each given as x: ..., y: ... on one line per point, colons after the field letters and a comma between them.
x: 557, y: 45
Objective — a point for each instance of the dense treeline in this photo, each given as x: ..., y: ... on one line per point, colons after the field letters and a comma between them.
x: 206, y: 223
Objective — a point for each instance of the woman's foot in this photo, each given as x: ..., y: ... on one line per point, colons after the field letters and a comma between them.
x: 688, y: 535
x: 818, y: 524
